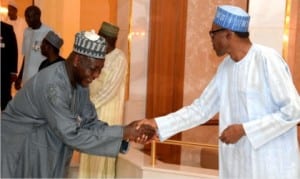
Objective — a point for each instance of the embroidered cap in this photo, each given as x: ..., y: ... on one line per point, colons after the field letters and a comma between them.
x: 54, y: 39
x: 109, y: 30
x: 90, y: 44
x: 232, y: 18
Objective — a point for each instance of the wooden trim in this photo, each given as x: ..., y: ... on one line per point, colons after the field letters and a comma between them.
x: 166, y: 56
x: 212, y: 122
x: 166, y: 59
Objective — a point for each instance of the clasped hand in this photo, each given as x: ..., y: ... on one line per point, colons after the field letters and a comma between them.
x: 139, y: 132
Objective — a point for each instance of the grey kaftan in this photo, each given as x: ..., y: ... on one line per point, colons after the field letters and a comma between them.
x: 45, y: 121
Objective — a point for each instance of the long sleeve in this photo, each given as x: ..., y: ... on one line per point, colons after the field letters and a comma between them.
x: 285, y: 104
x: 200, y: 111
x: 75, y: 121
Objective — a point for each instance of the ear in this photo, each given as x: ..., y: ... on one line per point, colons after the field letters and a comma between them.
x: 76, y: 60
x: 229, y: 34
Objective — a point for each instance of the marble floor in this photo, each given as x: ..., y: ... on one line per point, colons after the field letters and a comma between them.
x: 74, y: 166
x: 73, y: 172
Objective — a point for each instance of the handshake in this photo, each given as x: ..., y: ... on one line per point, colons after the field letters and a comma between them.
x: 140, y: 131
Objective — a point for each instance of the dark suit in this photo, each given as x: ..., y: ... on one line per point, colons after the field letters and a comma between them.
x: 9, y: 61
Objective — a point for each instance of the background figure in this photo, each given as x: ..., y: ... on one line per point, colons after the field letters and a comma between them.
x: 50, y: 49
x: 32, y: 40
x: 37, y: 140
x: 258, y: 105
x: 9, y: 62
x: 19, y: 25
x: 107, y: 92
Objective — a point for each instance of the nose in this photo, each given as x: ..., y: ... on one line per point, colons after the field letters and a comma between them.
x: 96, y: 74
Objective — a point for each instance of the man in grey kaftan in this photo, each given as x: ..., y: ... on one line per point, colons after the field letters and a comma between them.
x: 52, y: 115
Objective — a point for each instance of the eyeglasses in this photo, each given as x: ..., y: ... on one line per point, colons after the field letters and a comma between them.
x: 213, y: 32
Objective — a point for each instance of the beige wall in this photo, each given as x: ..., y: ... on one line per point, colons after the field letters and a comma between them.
x: 22, y: 4
x: 94, y: 12
x: 66, y: 17
x: 64, y: 20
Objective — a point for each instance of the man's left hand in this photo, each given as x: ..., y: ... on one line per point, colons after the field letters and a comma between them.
x: 232, y: 134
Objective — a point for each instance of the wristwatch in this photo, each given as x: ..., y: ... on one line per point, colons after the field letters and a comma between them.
x: 124, y: 146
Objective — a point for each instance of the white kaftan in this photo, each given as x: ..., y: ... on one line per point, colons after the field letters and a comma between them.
x: 257, y: 92
x: 32, y: 41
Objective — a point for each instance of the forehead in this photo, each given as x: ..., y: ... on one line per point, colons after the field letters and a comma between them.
x: 10, y: 7
x: 98, y: 63
x: 32, y: 11
x: 92, y: 62
x: 215, y: 26
x: 45, y: 42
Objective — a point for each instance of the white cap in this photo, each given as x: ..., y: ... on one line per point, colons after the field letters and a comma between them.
x: 232, y: 17
x: 90, y: 44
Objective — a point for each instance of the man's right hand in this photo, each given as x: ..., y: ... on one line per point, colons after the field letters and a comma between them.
x: 142, y: 135
x: 149, y: 122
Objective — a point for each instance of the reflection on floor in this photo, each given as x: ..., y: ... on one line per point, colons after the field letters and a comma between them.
x: 73, y: 172
x: 137, y: 164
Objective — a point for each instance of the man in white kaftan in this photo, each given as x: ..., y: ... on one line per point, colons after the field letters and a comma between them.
x: 32, y: 40
x: 258, y: 106
x: 241, y: 92
x: 107, y: 92
x: 32, y: 50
